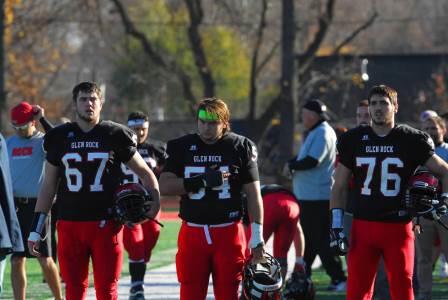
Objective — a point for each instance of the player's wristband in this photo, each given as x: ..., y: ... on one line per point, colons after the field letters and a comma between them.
x: 337, y: 218
x: 37, y: 226
x: 194, y: 184
x: 256, y: 238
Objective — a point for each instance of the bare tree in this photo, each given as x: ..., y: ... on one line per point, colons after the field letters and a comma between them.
x: 166, y: 64
x: 196, y: 15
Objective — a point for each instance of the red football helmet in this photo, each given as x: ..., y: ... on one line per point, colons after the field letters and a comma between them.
x: 262, y: 281
x: 422, y: 193
x: 131, y: 203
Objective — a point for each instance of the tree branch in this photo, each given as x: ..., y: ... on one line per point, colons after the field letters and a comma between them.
x: 355, y: 33
x: 155, y: 57
x: 200, y: 59
x: 254, y: 64
x: 268, y: 57
x: 307, y: 58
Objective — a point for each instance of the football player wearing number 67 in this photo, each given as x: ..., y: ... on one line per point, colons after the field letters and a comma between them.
x: 209, y: 170
x: 382, y: 158
x: 84, y: 168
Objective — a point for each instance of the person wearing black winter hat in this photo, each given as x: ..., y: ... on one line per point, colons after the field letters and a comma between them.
x: 312, y: 170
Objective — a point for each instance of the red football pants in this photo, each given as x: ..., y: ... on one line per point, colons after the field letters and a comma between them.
x: 141, y: 239
x: 368, y: 242
x: 281, y: 214
x: 80, y: 241
x: 206, y: 249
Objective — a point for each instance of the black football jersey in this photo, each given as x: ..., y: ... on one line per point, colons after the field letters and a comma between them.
x: 189, y: 156
x: 89, y: 164
x: 382, y: 167
x: 154, y: 155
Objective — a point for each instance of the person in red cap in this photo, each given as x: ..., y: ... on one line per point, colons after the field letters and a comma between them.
x: 26, y: 156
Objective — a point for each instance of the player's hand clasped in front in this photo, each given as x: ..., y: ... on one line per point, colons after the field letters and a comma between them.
x: 209, y: 179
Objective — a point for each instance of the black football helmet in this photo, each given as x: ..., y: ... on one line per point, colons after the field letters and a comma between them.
x: 422, y: 193
x: 262, y: 281
x: 299, y: 287
x: 131, y: 203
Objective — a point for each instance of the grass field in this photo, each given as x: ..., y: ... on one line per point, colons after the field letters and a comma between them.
x: 164, y: 254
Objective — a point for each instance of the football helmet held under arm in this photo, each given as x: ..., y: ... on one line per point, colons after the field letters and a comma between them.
x: 132, y: 202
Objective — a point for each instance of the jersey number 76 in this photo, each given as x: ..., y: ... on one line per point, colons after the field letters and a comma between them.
x: 386, y: 177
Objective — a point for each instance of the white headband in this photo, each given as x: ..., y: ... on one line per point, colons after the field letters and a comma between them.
x: 138, y: 122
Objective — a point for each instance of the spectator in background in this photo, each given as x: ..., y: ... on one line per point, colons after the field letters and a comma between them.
x: 10, y: 235
x: 435, y: 127
x: 363, y: 114
x: 140, y: 239
x: 362, y: 119
x: 312, y: 170
x: 26, y: 158
x: 426, y: 114
x: 444, y: 116
x: 340, y: 130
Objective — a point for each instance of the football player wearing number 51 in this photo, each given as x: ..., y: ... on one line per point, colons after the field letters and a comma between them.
x: 84, y: 168
x: 209, y: 170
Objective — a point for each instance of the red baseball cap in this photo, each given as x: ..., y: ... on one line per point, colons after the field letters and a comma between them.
x: 22, y: 113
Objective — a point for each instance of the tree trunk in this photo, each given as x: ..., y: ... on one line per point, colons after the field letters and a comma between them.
x: 287, y: 79
x: 2, y: 63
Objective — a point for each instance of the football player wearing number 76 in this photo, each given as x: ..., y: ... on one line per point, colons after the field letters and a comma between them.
x: 209, y: 170
x: 382, y: 158
x: 84, y: 168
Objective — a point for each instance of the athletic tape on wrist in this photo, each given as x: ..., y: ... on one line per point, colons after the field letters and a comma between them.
x: 38, y: 223
x: 337, y: 218
x: 256, y: 237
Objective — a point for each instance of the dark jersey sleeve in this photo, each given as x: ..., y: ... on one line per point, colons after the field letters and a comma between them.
x: 51, y: 147
x: 424, y: 147
x: 173, y: 163
x: 250, y: 156
x: 345, y: 149
x: 125, y: 143
x: 160, y: 153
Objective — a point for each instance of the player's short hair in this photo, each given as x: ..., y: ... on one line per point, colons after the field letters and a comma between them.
x: 384, y: 90
x: 215, y: 106
x: 138, y: 115
x: 363, y: 103
x: 438, y: 120
x: 86, y: 87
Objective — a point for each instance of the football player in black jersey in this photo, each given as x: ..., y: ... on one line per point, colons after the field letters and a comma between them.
x: 83, y: 168
x: 140, y: 239
x: 382, y: 158
x: 209, y: 170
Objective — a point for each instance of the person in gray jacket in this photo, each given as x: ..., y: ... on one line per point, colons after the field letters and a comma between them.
x: 10, y: 235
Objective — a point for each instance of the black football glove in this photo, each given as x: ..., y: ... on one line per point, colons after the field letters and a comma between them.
x: 338, y: 240
x: 211, y: 178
